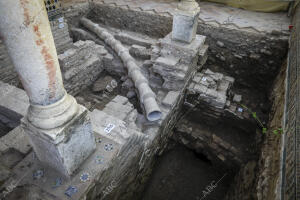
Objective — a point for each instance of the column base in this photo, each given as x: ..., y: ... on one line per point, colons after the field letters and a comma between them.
x: 63, y: 148
x: 185, y: 25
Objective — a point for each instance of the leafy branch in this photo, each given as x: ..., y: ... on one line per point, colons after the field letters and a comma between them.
x: 264, y: 129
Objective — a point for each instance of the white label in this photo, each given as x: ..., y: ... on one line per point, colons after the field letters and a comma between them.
x: 61, y: 25
x: 240, y: 109
x: 109, y: 128
x: 61, y: 19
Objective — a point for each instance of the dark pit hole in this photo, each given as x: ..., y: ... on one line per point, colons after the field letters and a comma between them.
x: 181, y: 174
x: 202, y: 157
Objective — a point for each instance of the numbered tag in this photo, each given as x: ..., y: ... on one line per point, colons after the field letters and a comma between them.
x: 61, y: 19
x: 109, y: 128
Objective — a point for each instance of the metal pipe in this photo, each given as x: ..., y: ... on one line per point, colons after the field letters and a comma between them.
x: 147, y: 96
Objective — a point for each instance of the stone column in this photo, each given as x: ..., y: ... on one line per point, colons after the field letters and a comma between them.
x: 59, y: 129
x: 185, y: 21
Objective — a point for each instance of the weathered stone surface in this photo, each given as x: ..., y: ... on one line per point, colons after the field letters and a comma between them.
x: 185, y: 26
x: 170, y: 99
x: 59, y: 147
x: 175, y: 62
x: 11, y: 157
x: 16, y: 139
x: 237, y: 98
x: 101, y: 83
x: 81, y: 65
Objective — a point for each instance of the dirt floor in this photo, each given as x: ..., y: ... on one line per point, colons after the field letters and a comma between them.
x: 180, y: 174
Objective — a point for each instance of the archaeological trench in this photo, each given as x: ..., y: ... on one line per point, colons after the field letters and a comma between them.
x: 148, y: 100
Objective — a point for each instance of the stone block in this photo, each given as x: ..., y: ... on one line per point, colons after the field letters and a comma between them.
x: 170, y: 99
x: 223, y: 85
x: 185, y: 26
x: 11, y: 157
x: 186, y: 51
x: 237, y: 98
x: 111, y: 127
x: 168, y: 62
x: 120, y: 99
x: 200, y: 89
x: 230, y: 79
x: 17, y: 139
x: 63, y: 148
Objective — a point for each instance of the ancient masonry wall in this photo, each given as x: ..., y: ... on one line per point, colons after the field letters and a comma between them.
x: 261, y: 179
x: 81, y: 65
x: 211, y: 103
x: 124, y: 158
x: 81, y: 62
x: 233, y: 50
x: 291, y: 155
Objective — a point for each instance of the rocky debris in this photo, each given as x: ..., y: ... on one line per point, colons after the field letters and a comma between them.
x: 104, y: 83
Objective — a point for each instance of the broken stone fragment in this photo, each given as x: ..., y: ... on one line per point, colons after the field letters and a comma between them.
x: 130, y: 94
x: 102, y: 83
x: 237, y: 98
x: 220, y: 44
x: 170, y: 99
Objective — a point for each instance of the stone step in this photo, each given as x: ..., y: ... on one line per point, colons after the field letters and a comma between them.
x: 111, y: 127
x: 16, y: 139
x: 13, y: 98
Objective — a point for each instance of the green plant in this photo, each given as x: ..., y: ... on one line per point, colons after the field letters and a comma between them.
x: 264, y: 129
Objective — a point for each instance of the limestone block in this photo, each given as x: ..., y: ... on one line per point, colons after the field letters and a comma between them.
x: 170, y: 99
x: 66, y: 147
x: 17, y: 139
x: 167, y: 62
x: 111, y: 127
x: 185, y: 51
x: 185, y: 26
